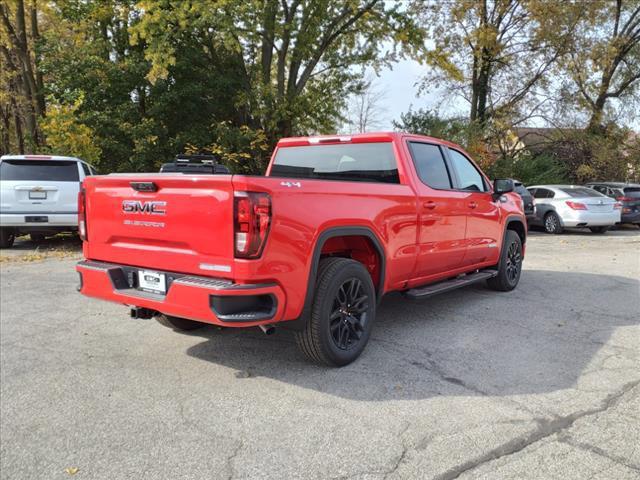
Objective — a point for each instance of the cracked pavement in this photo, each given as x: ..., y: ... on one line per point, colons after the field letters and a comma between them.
x: 542, y: 382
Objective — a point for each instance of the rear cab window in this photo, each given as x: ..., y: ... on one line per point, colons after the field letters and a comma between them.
x: 353, y: 162
x: 632, y: 192
x: 577, y: 192
x: 39, y: 170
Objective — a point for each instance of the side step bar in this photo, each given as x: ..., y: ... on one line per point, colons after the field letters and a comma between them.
x: 452, y: 284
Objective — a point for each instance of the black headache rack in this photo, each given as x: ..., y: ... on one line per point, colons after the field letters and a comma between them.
x: 207, y: 164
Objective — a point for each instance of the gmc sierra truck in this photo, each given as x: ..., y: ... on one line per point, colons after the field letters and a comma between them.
x: 336, y: 223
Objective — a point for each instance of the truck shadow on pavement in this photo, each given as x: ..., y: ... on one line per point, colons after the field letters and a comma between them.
x: 540, y: 338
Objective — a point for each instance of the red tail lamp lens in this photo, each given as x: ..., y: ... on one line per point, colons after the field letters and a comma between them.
x: 252, y: 222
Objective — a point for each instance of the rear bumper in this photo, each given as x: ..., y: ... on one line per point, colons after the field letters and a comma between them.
x: 581, y: 218
x: 53, y: 219
x: 204, y: 299
x: 633, y: 217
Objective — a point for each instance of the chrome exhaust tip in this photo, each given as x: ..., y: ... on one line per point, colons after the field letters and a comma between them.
x: 268, y: 329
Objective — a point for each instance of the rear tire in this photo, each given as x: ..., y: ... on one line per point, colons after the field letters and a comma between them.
x: 7, y: 236
x: 598, y: 229
x: 552, y: 223
x: 510, y: 266
x: 36, y: 237
x: 342, y: 314
x: 177, y: 323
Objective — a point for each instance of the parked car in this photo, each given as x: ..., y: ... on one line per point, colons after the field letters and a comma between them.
x: 528, y: 202
x: 560, y: 206
x: 336, y: 223
x: 39, y: 195
x: 628, y: 194
x: 205, y: 164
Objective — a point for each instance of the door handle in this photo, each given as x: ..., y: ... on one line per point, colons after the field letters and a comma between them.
x: 429, y: 205
x: 473, y: 204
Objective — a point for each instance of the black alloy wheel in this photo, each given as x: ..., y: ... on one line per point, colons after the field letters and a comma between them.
x: 349, y: 315
x: 513, y: 262
x: 510, y: 267
x: 342, y: 314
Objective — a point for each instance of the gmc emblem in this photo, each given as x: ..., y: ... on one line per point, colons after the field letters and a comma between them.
x: 150, y: 208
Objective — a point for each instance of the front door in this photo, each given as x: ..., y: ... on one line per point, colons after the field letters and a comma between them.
x: 441, y: 212
x: 483, y: 213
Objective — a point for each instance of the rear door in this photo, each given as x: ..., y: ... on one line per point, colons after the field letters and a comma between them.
x: 484, y: 231
x: 442, y: 213
x: 39, y: 186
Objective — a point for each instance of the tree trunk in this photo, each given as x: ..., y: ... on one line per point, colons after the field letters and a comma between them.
x: 5, y: 138
x: 18, y: 126
x: 35, y: 35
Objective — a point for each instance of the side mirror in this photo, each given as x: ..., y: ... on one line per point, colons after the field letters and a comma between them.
x: 502, y: 186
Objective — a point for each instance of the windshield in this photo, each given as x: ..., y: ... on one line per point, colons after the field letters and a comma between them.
x: 356, y: 162
x: 39, y: 170
x: 577, y: 192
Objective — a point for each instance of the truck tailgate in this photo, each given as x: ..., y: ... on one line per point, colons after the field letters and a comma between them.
x: 185, y: 225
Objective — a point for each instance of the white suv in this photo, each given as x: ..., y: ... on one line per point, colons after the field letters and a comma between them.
x: 39, y: 195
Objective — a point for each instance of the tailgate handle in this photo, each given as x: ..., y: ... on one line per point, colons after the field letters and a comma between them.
x: 144, y: 186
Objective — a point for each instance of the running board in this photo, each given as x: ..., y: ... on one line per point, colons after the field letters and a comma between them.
x: 452, y: 284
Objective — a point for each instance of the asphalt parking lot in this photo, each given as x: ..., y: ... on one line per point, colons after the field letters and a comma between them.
x: 542, y: 382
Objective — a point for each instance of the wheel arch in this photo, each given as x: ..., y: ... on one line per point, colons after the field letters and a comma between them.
x: 518, y: 225
x: 322, y: 239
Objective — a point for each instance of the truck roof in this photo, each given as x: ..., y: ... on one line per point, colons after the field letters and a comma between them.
x: 359, y: 138
x: 40, y: 157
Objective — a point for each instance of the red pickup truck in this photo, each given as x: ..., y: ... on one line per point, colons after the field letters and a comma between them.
x: 336, y: 223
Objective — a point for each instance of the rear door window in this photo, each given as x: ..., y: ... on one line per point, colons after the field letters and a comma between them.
x: 543, y: 193
x: 39, y: 170
x: 85, y: 169
x: 354, y: 162
x: 430, y: 165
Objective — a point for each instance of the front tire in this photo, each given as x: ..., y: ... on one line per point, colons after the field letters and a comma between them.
x: 7, y: 236
x: 598, y: 229
x: 342, y: 314
x: 552, y: 223
x: 510, y: 266
x: 177, y: 323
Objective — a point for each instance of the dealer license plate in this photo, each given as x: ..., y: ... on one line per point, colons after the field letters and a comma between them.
x: 153, y: 282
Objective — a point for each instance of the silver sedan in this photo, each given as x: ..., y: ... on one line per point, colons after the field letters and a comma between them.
x: 560, y: 206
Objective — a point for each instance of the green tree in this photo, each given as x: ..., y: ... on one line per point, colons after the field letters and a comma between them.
x: 603, y: 63
x: 293, y: 58
x: 21, y: 75
x: 496, y: 54
x: 67, y: 136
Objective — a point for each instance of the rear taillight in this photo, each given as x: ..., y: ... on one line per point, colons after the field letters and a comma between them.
x: 617, y: 206
x: 82, y: 215
x: 576, y: 205
x: 624, y: 199
x: 252, y: 219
